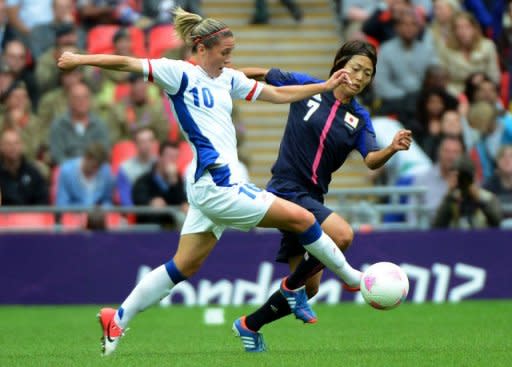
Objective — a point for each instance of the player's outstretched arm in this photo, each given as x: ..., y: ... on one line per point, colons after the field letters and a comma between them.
x: 294, y: 93
x: 401, y: 141
x: 69, y: 61
x: 255, y: 73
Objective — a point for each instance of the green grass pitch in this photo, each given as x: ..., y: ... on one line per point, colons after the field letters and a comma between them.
x: 465, y: 334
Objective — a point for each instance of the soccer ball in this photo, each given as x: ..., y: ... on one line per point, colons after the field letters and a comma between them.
x: 384, y: 285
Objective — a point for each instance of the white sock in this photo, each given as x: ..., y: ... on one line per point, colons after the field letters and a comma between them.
x: 326, y: 251
x: 152, y: 288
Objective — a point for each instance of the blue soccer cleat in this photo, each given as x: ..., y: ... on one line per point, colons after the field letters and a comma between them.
x: 252, y: 340
x: 298, y: 302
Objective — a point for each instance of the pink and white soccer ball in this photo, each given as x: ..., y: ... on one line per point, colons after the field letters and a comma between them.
x: 384, y: 285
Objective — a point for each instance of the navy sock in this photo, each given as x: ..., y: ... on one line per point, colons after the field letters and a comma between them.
x: 308, y: 267
x: 275, y: 308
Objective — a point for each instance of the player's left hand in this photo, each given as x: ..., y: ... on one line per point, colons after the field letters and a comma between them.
x: 402, y: 140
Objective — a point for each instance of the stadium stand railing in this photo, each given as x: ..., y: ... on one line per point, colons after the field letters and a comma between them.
x: 64, y: 219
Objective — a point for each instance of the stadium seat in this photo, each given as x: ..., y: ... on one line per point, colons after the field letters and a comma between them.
x: 138, y: 42
x: 78, y: 221
x: 122, y: 151
x: 27, y: 221
x: 161, y: 39
x: 122, y: 91
x: 100, y: 40
x: 114, y: 220
x: 73, y: 221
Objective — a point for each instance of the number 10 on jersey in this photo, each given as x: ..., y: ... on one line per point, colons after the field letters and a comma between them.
x: 207, y: 97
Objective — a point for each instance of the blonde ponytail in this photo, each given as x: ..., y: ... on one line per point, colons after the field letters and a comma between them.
x: 193, y: 29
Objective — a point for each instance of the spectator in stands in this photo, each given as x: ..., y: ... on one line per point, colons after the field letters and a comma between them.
x: 15, y: 56
x: 494, y: 131
x: 262, y: 16
x: 354, y: 13
x: 18, y: 115
x: 47, y: 72
x: 403, y: 61
x: 21, y: 183
x: 87, y: 180
x: 6, y: 80
x: 380, y: 26
x: 431, y: 105
x: 505, y: 46
x: 161, y: 10
x: 137, y: 111
x: 500, y: 183
x: 489, y: 14
x: 6, y: 31
x: 122, y: 46
x: 488, y: 91
x: 466, y: 205
x: 55, y: 102
x: 42, y: 37
x: 160, y: 187
x: 74, y: 130
x: 450, y: 125
x: 94, y: 12
x: 133, y: 168
x: 441, y: 25
x: 468, y: 51
x: 436, y: 179
x: 26, y: 14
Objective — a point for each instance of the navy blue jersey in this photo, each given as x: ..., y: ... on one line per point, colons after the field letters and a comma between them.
x: 320, y: 134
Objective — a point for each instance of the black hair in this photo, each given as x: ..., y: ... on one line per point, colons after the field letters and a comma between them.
x: 167, y: 144
x: 354, y: 48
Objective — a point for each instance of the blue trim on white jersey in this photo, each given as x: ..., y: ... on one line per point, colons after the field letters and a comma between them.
x: 205, y: 151
x: 221, y: 175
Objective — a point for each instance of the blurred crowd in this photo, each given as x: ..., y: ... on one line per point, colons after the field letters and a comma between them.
x: 444, y: 73
x: 88, y: 136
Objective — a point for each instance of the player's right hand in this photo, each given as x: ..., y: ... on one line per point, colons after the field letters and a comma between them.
x: 339, y: 77
x: 68, y: 61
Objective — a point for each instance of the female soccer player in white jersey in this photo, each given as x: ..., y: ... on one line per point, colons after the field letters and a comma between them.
x: 201, y: 96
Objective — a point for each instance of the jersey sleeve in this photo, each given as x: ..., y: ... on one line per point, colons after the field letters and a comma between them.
x: 278, y: 78
x: 167, y: 73
x: 245, y: 88
x: 367, y: 141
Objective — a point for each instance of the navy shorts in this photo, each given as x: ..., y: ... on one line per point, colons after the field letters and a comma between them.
x: 291, y: 191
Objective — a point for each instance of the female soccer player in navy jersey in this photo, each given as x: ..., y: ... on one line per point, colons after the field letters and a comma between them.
x: 201, y: 96
x: 320, y: 133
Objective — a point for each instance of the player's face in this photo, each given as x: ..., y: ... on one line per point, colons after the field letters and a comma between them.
x: 217, y: 57
x: 360, y: 69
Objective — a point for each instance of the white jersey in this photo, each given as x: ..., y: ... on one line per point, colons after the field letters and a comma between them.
x: 202, y: 105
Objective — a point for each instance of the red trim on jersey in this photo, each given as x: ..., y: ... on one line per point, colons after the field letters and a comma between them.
x: 251, y: 93
x: 150, y: 72
x: 320, y: 149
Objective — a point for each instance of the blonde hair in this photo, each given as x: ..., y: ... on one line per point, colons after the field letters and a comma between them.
x: 194, y: 29
x: 482, y: 116
x: 453, y: 42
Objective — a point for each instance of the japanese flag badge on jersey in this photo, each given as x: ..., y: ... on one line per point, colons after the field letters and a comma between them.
x: 351, y: 121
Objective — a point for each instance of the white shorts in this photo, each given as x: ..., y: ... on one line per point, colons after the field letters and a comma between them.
x: 214, y: 208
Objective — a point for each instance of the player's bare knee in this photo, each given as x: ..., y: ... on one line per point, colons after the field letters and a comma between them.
x: 303, y: 220
x: 344, y: 238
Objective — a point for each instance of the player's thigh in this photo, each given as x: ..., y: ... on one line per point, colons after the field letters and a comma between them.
x: 313, y: 282
x: 339, y: 230
x: 193, y: 249
x: 287, y: 216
